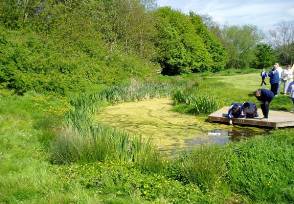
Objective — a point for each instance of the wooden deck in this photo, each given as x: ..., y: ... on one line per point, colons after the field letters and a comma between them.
x: 277, y: 119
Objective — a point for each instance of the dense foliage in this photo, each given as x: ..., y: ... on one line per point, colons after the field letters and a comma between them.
x: 60, y: 46
x: 69, y: 46
x: 185, y: 45
x: 265, y: 56
x: 240, y: 42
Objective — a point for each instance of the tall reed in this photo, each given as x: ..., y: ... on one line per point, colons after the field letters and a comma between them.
x: 195, y: 102
x: 82, y: 140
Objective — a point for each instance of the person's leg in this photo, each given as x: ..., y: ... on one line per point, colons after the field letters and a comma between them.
x: 279, y: 87
x: 274, y: 88
x: 266, y: 109
x: 263, y: 109
x: 286, y: 84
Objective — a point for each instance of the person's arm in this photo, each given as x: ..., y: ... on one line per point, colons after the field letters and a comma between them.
x: 270, y: 74
x: 230, y: 116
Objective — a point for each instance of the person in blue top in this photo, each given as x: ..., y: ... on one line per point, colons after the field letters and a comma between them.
x: 239, y: 110
x: 235, y: 111
x: 263, y: 75
x: 265, y: 96
x: 291, y: 91
x: 274, y: 80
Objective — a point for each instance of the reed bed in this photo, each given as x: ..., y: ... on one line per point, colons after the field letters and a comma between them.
x: 83, y: 140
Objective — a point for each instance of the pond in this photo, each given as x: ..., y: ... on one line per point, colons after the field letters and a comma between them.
x: 168, y: 130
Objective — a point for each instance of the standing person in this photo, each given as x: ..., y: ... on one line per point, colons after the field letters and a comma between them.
x: 287, y: 77
x: 291, y: 91
x: 280, y: 71
x: 265, y: 96
x: 263, y: 77
x: 274, y: 79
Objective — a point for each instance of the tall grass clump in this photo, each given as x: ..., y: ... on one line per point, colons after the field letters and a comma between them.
x: 135, y: 91
x: 263, y: 168
x: 259, y: 170
x: 204, y: 166
x: 99, y: 143
x: 194, y: 103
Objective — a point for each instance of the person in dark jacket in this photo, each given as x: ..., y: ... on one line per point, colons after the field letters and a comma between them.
x: 265, y: 96
x: 239, y: 110
x: 249, y: 110
x: 235, y: 111
x: 274, y: 80
x: 263, y: 75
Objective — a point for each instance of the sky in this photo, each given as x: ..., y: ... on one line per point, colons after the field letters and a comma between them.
x: 262, y: 13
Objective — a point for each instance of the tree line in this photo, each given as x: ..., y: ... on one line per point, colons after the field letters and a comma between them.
x: 61, y: 45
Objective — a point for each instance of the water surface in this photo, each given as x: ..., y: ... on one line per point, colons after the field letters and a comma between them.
x: 168, y: 130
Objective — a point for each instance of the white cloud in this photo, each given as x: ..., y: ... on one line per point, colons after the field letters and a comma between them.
x: 262, y: 13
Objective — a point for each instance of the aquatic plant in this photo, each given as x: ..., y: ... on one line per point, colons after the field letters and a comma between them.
x: 194, y: 102
x: 81, y: 139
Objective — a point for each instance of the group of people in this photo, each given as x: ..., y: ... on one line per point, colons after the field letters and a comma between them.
x: 278, y: 77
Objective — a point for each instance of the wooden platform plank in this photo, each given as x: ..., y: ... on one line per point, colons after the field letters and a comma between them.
x: 276, y: 119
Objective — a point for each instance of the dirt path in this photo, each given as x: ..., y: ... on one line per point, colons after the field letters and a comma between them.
x: 167, y: 129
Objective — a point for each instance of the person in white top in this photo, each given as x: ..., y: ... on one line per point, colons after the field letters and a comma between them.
x: 279, y: 70
x: 287, y: 77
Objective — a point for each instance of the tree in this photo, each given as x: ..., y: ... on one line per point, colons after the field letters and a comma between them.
x: 282, y: 38
x: 240, y: 42
x: 264, y: 56
x: 212, y: 26
x: 211, y: 42
x: 184, y: 44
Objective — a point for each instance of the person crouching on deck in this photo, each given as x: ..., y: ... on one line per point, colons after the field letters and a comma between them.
x: 245, y: 110
x: 265, y: 96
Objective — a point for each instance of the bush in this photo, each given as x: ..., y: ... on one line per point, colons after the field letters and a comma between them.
x: 185, y: 45
x: 46, y: 63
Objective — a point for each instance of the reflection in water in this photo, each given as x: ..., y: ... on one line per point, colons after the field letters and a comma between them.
x: 221, y: 136
x: 217, y: 136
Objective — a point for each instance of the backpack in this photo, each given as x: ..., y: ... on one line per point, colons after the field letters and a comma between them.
x: 249, y: 110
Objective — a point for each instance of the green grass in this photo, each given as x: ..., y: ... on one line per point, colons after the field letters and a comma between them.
x: 217, y: 91
x: 50, y: 152
x: 260, y: 169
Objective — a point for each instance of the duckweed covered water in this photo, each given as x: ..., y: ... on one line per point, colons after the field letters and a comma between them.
x: 168, y: 130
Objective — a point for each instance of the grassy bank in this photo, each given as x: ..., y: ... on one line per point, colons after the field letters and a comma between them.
x: 212, y: 92
x: 52, y: 152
